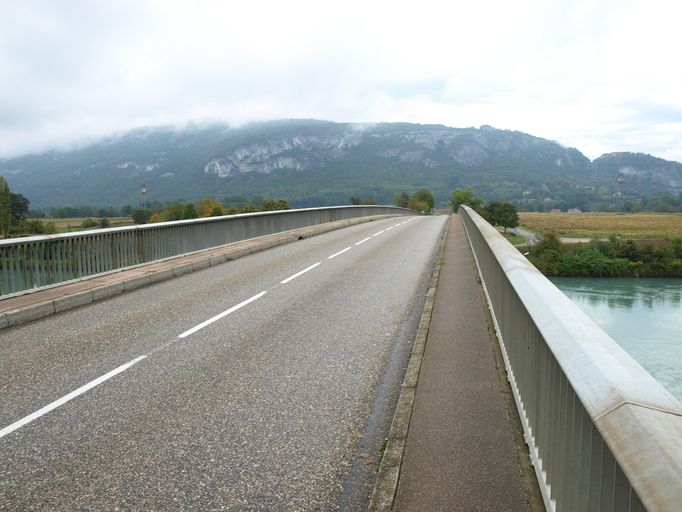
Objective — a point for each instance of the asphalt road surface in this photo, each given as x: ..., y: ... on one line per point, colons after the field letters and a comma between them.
x: 266, y: 383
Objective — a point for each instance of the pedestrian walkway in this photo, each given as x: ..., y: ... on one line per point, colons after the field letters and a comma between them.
x: 460, y: 453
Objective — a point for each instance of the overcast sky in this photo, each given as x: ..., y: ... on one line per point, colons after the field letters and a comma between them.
x: 597, y: 75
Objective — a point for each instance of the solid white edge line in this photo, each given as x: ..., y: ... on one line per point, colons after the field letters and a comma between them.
x: 291, y: 278
x: 338, y: 253
x: 28, y: 419
x: 221, y: 315
x: 363, y: 240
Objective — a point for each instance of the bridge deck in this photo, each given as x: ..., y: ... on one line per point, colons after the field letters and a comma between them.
x: 460, y: 451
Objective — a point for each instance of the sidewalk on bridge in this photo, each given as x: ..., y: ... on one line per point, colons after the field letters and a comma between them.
x: 460, y: 451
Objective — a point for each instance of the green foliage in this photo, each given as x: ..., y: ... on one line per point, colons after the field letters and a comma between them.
x: 401, y: 199
x: 5, y: 207
x: 615, y: 258
x: 417, y: 205
x: 502, y: 214
x: 189, y: 211
x: 174, y: 211
x: 36, y: 227
x: 141, y: 215
x: 19, y: 207
x: 248, y: 208
x: 270, y: 205
x: 466, y: 196
x: 424, y: 195
x: 104, y: 222
x: 89, y: 223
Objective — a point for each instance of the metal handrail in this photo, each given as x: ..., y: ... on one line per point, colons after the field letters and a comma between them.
x: 38, y: 261
x: 603, y: 434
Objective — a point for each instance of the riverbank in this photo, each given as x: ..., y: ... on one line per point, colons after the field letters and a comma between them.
x: 612, y: 258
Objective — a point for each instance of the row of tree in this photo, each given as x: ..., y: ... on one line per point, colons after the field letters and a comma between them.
x: 421, y: 201
x: 498, y: 213
x: 207, y: 207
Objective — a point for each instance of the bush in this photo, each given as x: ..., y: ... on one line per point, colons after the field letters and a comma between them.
x: 141, y: 215
x: 590, y: 262
x: 89, y: 223
x: 36, y: 227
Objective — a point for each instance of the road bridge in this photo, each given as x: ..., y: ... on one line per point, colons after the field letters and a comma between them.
x: 269, y: 382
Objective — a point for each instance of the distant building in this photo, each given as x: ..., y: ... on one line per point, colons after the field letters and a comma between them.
x: 574, y: 210
x: 555, y: 210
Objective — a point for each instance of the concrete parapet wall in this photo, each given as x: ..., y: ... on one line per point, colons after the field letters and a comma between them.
x: 603, y: 433
x: 37, y: 261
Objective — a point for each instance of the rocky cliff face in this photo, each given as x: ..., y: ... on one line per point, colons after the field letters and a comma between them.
x: 430, y: 146
x: 293, y: 152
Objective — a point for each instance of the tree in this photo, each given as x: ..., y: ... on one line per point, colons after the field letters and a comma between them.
x: 425, y: 196
x: 19, y: 206
x: 248, y: 208
x: 465, y: 196
x: 207, y: 207
x: 5, y: 207
x: 189, y: 211
x: 502, y: 214
x: 141, y: 215
x: 417, y: 205
x: 401, y: 199
x: 174, y: 211
x: 271, y: 205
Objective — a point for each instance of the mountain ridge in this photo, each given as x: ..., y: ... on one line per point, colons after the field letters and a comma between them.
x: 314, y: 162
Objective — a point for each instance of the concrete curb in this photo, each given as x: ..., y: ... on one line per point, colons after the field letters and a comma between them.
x: 35, y: 304
x: 386, y: 484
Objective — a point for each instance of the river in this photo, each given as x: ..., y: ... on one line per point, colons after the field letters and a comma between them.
x: 644, y: 316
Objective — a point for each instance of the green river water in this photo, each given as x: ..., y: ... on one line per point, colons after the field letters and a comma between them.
x: 643, y: 315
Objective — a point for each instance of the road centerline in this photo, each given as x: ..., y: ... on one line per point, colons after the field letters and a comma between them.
x: 221, y: 315
x: 291, y: 278
x: 338, y: 253
x: 363, y: 240
x: 61, y: 401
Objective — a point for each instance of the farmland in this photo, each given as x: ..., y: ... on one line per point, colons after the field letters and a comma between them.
x: 75, y: 223
x: 602, y: 225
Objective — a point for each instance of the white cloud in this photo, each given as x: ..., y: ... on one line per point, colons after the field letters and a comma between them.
x: 598, y: 76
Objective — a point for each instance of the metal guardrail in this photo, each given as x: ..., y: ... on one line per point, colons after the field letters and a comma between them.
x: 33, y: 262
x: 602, y: 433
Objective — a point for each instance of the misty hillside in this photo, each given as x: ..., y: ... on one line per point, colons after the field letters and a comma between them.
x: 320, y: 163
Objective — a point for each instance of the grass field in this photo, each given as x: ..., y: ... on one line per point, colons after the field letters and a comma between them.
x: 74, y: 223
x: 593, y: 225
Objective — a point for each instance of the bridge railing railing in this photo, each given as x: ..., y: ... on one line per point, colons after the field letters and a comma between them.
x: 37, y: 261
x: 602, y: 433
